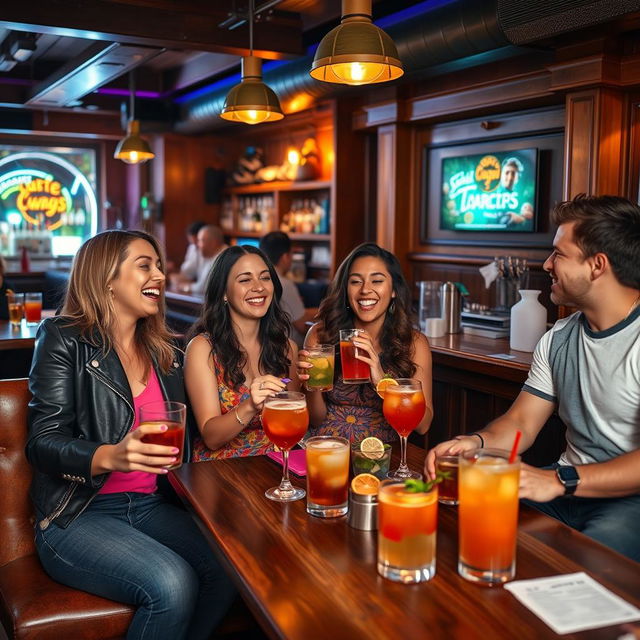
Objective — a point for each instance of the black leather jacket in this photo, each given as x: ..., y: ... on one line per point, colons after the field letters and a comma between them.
x: 81, y: 400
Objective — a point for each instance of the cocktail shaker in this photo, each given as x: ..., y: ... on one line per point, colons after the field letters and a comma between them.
x: 451, y: 307
x: 363, y: 511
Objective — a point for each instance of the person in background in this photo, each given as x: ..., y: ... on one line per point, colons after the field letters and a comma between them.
x: 4, y: 287
x: 210, y: 242
x: 587, y: 367
x: 102, y: 526
x: 239, y: 354
x: 277, y: 247
x: 510, y: 174
x: 368, y: 292
x: 192, y: 258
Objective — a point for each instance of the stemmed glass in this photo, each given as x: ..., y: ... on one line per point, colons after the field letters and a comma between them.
x: 403, y: 407
x: 285, y: 420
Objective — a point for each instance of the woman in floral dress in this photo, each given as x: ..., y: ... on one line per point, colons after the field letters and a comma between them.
x: 370, y: 293
x: 240, y: 354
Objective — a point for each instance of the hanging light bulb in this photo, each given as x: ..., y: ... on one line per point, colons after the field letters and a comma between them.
x: 133, y: 149
x: 356, y: 52
x: 251, y: 101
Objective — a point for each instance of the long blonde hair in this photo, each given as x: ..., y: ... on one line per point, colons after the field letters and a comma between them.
x: 90, y: 307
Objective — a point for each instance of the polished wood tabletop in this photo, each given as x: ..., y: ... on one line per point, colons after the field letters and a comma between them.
x: 16, y: 337
x: 305, y: 577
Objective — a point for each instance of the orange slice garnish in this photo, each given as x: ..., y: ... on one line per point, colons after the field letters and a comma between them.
x: 365, y: 484
x: 383, y: 384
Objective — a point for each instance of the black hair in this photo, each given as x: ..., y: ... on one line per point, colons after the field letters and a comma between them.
x: 194, y: 227
x: 215, y: 322
x: 275, y: 244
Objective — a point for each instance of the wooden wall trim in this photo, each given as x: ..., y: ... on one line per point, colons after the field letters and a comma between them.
x: 376, y: 115
x: 579, y: 142
x: 599, y: 69
x: 386, y: 190
x: 505, y: 93
x: 478, y: 261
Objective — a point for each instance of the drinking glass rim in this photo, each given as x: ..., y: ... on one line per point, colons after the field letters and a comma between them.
x: 490, y: 452
x: 320, y: 347
x: 388, y: 482
x: 325, y: 437
x: 167, y: 405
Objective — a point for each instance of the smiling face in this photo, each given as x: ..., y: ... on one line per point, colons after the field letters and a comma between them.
x: 249, y: 287
x: 369, y: 288
x: 509, y: 176
x: 139, y: 284
x: 568, y: 268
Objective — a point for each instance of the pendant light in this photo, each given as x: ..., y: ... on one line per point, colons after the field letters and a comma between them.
x: 356, y: 52
x: 251, y: 101
x: 133, y: 149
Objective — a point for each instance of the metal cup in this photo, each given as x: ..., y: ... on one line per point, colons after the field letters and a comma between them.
x: 363, y: 511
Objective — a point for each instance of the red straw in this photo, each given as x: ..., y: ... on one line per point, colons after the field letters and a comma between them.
x: 514, y: 449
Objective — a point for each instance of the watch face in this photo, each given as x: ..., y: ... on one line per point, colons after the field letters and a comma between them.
x: 569, y: 478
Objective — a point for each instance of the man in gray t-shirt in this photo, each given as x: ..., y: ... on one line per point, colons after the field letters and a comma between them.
x: 588, y: 368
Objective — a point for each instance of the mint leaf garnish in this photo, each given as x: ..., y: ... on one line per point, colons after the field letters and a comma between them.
x: 412, y: 485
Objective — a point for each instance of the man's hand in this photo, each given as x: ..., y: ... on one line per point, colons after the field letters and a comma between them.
x: 539, y: 485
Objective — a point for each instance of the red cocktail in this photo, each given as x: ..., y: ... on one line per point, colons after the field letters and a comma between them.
x: 403, y: 407
x: 285, y: 420
x: 354, y: 371
x: 173, y: 414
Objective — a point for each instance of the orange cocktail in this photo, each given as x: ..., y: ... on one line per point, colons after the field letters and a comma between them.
x: 403, y: 408
x: 354, y: 371
x: 406, y: 532
x: 327, y: 476
x: 285, y: 420
x: 488, y: 515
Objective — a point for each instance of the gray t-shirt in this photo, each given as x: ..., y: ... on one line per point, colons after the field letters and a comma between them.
x: 292, y: 305
x: 594, y: 378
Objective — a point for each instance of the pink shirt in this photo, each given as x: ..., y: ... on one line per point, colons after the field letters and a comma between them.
x: 136, y: 481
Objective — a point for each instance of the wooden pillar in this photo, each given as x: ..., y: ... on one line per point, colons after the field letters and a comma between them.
x: 395, y: 186
x: 596, y: 143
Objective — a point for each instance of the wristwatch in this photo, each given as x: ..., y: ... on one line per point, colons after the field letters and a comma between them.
x: 569, y: 478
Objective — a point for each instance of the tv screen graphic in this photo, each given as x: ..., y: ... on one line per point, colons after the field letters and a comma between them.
x: 490, y: 191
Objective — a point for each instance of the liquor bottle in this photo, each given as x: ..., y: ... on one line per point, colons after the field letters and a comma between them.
x: 25, y: 262
x: 528, y: 321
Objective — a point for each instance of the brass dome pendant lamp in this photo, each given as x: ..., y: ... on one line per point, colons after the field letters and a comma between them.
x: 251, y: 101
x: 133, y: 149
x: 356, y: 52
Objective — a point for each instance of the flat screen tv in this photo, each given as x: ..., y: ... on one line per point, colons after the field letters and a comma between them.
x: 493, y: 191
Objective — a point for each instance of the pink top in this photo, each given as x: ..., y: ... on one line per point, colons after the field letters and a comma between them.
x: 136, y: 481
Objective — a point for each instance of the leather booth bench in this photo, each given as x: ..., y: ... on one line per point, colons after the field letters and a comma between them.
x: 32, y: 605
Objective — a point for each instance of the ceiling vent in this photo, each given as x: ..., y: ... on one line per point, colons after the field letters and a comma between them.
x: 96, y: 66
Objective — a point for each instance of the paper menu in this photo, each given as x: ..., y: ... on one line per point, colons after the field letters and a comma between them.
x: 572, y: 602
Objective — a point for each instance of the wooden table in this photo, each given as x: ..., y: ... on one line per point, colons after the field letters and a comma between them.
x: 306, y: 578
x: 14, y: 337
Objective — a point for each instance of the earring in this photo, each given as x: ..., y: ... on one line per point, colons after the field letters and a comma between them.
x: 392, y: 306
x: 225, y: 299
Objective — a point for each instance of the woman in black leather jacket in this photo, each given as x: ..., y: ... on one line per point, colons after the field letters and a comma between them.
x: 101, y: 524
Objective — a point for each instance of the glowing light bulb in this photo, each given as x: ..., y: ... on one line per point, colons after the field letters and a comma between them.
x: 356, y: 71
x: 133, y: 157
x: 293, y: 156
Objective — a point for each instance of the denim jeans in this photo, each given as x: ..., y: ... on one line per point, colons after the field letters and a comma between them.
x: 138, y: 549
x: 612, y: 521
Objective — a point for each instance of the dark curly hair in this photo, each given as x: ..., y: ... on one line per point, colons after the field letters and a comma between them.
x: 397, y: 334
x: 215, y: 322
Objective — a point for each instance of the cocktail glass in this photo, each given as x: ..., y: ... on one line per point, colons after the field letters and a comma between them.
x: 15, y: 301
x: 327, y: 476
x: 487, y: 515
x: 33, y: 308
x: 375, y: 463
x: 406, y: 532
x: 354, y: 371
x: 322, y: 359
x: 403, y: 407
x: 285, y: 420
x: 448, y: 488
x: 173, y: 414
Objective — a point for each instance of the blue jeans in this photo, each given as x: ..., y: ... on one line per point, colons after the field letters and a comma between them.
x: 138, y: 549
x: 612, y: 521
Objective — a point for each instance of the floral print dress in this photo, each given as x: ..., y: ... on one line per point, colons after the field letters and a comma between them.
x: 354, y: 411
x: 251, y: 441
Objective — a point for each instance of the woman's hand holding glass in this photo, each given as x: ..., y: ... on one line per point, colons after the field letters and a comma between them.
x: 364, y: 343
x: 131, y: 454
x: 302, y: 365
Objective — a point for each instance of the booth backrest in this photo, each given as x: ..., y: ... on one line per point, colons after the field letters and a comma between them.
x: 16, y: 516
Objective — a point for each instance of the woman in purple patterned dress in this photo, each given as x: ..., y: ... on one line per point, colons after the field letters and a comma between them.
x: 370, y: 293
x: 240, y: 353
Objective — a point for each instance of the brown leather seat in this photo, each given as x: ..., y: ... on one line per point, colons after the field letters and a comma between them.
x: 32, y: 606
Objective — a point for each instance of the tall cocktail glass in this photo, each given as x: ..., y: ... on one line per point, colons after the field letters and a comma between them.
x: 487, y: 515
x: 33, y: 308
x: 15, y: 301
x: 448, y: 488
x: 354, y: 371
x: 403, y: 407
x: 406, y: 532
x: 285, y: 420
x: 327, y: 476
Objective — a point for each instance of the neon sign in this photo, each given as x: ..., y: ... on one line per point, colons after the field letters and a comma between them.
x: 49, y: 192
